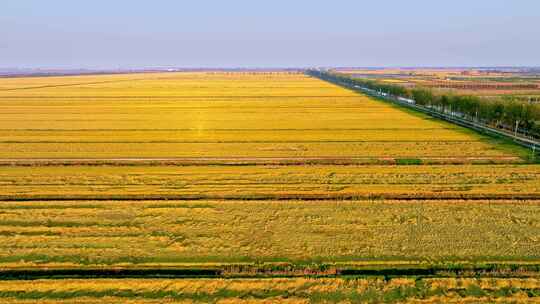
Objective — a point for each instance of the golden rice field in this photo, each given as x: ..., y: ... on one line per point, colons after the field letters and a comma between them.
x: 179, y: 233
x: 218, y: 115
x: 271, y: 182
x: 278, y: 290
x: 277, y: 183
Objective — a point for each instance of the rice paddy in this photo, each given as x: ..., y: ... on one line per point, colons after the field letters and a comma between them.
x: 136, y: 234
x: 278, y: 187
x: 280, y: 290
x: 278, y: 181
x: 215, y: 115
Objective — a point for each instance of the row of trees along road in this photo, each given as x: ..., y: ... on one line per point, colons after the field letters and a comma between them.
x: 507, y: 113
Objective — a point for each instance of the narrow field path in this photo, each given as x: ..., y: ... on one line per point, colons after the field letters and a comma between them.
x: 256, y: 161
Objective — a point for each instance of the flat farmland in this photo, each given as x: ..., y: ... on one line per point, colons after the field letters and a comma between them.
x: 221, y: 187
x: 137, y: 234
x: 224, y: 116
x: 270, y: 182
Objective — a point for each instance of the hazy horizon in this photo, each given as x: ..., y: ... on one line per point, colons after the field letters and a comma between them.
x: 242, y: 34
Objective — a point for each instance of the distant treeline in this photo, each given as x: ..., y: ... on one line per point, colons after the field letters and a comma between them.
x: 509, y: 113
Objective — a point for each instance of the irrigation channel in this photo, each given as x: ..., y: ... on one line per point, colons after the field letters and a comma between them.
x: 531, y: 144
x: 387, y: 271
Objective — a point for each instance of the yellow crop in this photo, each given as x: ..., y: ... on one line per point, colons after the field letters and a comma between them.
x: 285, y: 290
x: 293, y: 181
x: 132, y: 233
x: 251, y: 174
x: 211, y: 115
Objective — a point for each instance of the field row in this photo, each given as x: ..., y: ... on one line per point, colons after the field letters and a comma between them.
x: 282, y: 290
x: 217, y: 136
x: 167, y: 84
x: 245, y: 182
x: 464, y: 151
x: 179, y: 233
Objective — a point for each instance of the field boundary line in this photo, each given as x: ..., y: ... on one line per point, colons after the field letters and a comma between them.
x: 434, y: 197
x: 260, y: 161
x: 510, y: 269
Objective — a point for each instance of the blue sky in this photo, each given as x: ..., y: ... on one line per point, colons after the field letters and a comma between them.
x: 278, y: 33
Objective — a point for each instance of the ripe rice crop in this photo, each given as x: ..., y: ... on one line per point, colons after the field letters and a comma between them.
x: 209, y: 115
x: 278, y: 290
x: 253, y: 175
x: 294, y: 181
x: 176, y: 233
